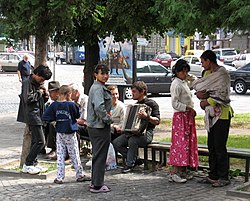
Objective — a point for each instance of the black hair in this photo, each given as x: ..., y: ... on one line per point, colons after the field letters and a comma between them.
x: 43, y: 71
x: 179, y: 66
x: 104, y: 69
x: 140, y: 86
x: 209, y: 54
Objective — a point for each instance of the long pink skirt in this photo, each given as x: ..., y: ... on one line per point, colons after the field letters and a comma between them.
x: 184, y: 149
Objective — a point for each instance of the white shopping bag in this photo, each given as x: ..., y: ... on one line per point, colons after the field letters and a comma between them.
x: 111, y: 158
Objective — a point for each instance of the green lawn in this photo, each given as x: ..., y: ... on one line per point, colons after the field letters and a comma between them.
x: 238, y: 121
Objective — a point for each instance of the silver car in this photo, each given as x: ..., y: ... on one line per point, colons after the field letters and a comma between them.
x: 9, y: 61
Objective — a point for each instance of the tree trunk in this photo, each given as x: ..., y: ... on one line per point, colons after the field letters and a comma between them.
x: 92, y: 58
x: 40, y: 50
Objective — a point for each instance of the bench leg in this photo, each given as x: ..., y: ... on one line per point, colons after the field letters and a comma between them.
x: 145, y: 158
x: 247, y: 170
x: 164, y: 158
x: 160, y: 157
x: 153, y: 160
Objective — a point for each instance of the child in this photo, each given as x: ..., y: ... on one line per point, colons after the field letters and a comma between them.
x: 183, y: 151
x: 65, y: 112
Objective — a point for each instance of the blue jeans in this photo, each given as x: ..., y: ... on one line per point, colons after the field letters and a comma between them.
x: 128, y: 145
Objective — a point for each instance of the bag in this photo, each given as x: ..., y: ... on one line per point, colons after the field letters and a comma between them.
x: 111, y: 158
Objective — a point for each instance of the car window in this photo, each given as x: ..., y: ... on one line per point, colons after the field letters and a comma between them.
x: 228, y: 52
x: 4, y: 57
x: 158, y: 69
x: 144, y: 69
x: 194, y: 60
x: 243, y: 57
x: 13, y: 57
x: 164, y: 56
x: 187, y: 59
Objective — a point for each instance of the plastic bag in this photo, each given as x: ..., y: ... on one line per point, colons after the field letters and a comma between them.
x: 111, y: 158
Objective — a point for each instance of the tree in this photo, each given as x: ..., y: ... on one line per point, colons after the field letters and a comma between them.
x: 203, y: 15
x: 35, y: 17
x: 98, y: 19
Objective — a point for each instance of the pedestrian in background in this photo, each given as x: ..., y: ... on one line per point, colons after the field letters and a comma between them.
x: 98, y: 122
x: 183, y: 150
x: 31, y: 107
x: 24, y: 69
x: 65, y: 112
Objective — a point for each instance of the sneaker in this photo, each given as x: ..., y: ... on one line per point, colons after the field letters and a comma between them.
x: 42, y: 169
x: 30, y: 169
x: 177, y: 179
x: 127, y: 169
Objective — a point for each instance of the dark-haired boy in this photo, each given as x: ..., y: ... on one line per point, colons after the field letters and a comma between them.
x: 31, y: 108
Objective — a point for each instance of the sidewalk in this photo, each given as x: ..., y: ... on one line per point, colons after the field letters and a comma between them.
x: 139, y: 185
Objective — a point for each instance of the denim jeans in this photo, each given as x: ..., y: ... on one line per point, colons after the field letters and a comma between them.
x: 128, y: 145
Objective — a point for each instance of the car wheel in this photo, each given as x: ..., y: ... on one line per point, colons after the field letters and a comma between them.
x: 128, y: 93
x: 240, y: 87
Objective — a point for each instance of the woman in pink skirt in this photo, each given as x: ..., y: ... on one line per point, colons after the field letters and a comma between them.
x: 183, y: 151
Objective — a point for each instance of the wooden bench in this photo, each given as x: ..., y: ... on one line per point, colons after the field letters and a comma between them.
x: 163, y: 148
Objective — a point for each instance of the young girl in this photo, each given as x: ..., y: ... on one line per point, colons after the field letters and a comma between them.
x: 183, y: 151
x: 65, y: 112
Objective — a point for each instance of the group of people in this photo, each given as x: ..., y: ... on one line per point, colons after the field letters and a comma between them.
x: 213, y: 90
x: 100, y: 116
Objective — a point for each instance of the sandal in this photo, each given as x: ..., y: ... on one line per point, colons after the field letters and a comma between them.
x: 207, y: 180
x: 83, y: 178
x: 221, y: 183
x: 56, y: 181
x: 103, y: 189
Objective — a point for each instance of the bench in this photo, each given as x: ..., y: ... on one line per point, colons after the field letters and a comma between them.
x: 163, y: 148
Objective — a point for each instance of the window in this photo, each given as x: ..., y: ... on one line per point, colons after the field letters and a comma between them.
x: 143, y: 69
x: 194, y: 60
x: 158, y: 69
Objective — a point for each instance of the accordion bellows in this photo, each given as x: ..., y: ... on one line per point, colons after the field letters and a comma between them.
x: 132, y: 123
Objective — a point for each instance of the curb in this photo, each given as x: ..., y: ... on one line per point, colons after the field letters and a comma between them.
x: 238, y: 191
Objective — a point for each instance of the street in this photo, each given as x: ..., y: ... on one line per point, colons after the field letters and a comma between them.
x: 65, y: 74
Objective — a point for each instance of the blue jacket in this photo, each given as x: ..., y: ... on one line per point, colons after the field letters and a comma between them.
x: 65, y: 114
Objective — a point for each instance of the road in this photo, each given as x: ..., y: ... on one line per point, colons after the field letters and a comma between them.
x: 65, y: 74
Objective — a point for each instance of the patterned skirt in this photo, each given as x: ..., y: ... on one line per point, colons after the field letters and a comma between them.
x: 184, y: 149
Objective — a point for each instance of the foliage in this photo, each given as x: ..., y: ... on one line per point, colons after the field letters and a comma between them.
x: 203, y: 15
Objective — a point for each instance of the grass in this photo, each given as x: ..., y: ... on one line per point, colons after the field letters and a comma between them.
x: 50, y: 165
x: 240, y: 121
x: 235, y: 141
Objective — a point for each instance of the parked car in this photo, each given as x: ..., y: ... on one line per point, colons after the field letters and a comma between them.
x: 240, y: 79
x: 226, y: 55
x: 174, y: 55
x: 9, y: 61
x: 194, y: 62
x: 155, y: 75
x: 197, y: 53
x: 227, y: 67
x: 164, y: 59
x: 242, y: 60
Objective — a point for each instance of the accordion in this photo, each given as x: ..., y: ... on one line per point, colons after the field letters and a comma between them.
x: 132, y: 123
